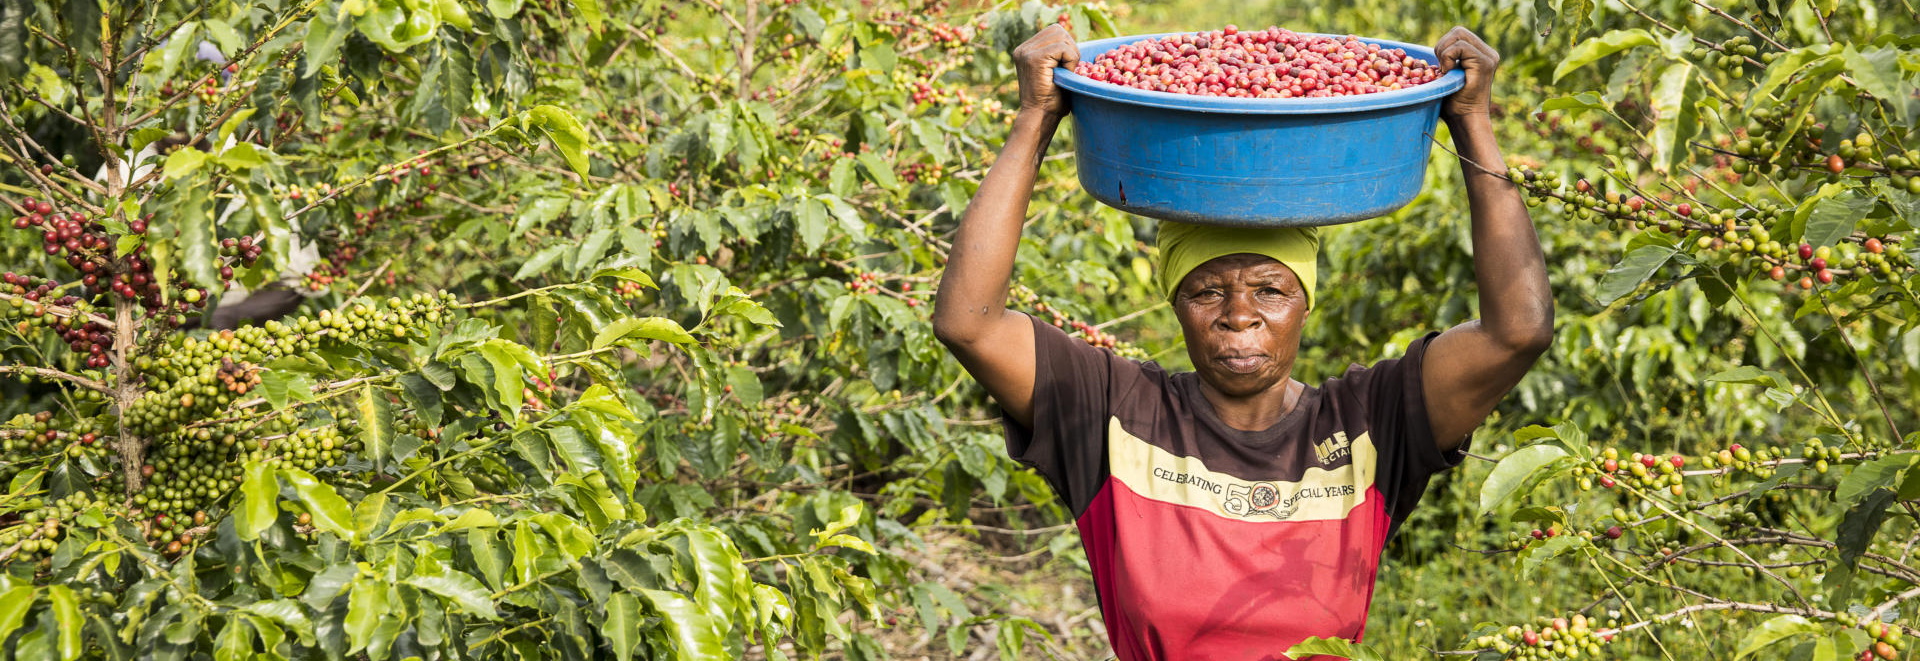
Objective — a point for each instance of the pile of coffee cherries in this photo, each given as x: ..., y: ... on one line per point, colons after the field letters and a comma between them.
x: 1274, y: 63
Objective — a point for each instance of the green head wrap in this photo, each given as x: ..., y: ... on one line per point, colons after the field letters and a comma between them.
x: 1184, y: 247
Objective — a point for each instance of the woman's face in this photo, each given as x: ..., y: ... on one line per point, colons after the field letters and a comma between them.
x: 1241, y: 315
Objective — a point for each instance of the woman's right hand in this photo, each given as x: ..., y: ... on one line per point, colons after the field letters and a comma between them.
x: 1035, y: 60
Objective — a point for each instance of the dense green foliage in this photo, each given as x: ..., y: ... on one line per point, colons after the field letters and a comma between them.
x: 614, y: 342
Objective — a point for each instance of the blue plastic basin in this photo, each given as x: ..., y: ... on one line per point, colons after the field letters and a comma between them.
x: 1252, y: 162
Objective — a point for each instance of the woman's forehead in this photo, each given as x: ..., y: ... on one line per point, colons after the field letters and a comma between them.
x: 1240, y: 265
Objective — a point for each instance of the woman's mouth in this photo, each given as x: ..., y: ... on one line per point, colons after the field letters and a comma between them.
x: 1246, y: 364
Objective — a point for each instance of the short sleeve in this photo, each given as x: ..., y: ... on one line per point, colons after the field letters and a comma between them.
x: 1074, y: 385
x: 1397, y: 417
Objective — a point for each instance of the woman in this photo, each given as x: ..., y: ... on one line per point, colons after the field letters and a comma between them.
x: 1232, y: 511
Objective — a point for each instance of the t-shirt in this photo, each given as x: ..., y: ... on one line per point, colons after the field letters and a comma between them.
x: 1209, y: 542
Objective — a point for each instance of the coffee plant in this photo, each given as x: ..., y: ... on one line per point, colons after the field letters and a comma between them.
x: 478, y: 330
x: 1756, y: 165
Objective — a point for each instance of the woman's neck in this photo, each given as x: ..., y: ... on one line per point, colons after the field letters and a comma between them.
x: 1256, y: 412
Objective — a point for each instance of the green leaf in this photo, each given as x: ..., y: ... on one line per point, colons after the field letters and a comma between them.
x: 1833, y: 218
x: 285, y: 612
x: 1857, y: 529
x: 376, y: 425
x: 590, y: 11
x: 1775, y: 630
x: 567, y: 135
x: 843, y: 179
x: 503, y: 8
x: 1878, y: 72
x: 241, y: 156
x: 810, y: 218
x: 328, y: 510
x: 622, y: 626
x: 591, y: 249
x: 1338, y: 647
x: 460, y: 588
x: 397, y: 25
x: 140, y: 138
x: 199, y: 250
x: 67, y: 622
x: 1513, y: 470
x: 1591, y: 50
x: 695, y: 636
x: 281, y: 387
x: 629, y: 275
x: 1879, y: 473
x: 423, y: 397
x: 366, y: 607
x: 1809, y: 61
x: 473, y: 518
x: 648, y: 328
x: 879, y: 56
x: 235, y: 640
x: 1580, y: 101
x: 1638, y: 265
x: 454, y: 14
x: 1676, y: 118
x: 13, y: 608
x: 879, y: 170
x: 539, y: 262
x: 259, y: 501
x: 1750, y: 375
x: 324, y: 38
x: 368, y: 513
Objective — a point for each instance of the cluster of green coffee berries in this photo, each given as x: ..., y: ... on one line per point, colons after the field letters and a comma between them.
x: 1576, y: 637
x: 307, y: 448
x: 188, y: 379
x: 1730, y: 56
x: 38, y: 529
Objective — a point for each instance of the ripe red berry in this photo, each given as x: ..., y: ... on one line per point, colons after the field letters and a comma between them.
x: 1613, y: 532
x: 1636, y: 203
x: 1607, y: 481
x: 1824, y: 276
x: 1583, y: 186
x: 1531, y: 637
x: 1836, y: 165
x: 1538, y: 534
x: 1648, y: 460
x: 1683, y: 209
x: 1678, y: 461
x: 1777, y: 273
x: 1817, y: 264
x: 1806, y: 251
x: 1874, y: 246
x: 1611, y: 465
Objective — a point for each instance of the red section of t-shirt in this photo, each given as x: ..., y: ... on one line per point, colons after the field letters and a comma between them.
x: 1179, y: 582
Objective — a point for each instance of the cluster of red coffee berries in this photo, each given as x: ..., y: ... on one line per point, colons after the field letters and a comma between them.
x: 1645, y: 471
x: 1274, y: 63
x: 931, y: 173
x: 1030, y: 299
x: 237, y: 377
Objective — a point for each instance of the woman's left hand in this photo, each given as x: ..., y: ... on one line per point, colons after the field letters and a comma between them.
x: 1463, y: 49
